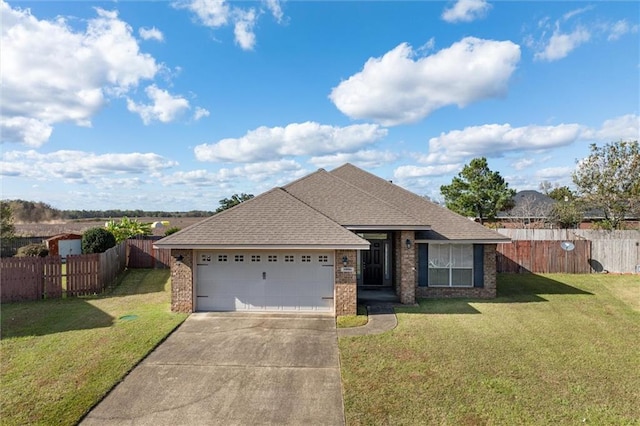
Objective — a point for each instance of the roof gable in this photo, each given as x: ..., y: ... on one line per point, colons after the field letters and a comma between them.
x: 445, y: 224
x: 274, y: 218
x: 349, y: 205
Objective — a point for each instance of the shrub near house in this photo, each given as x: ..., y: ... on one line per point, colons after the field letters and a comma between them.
x: 97, y: 240
x: 33, y: 250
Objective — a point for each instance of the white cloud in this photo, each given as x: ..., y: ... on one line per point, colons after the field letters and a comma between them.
x: 561, y: 44
x: 408, y: 172
x: 243, y: 29
x: 164, y: 107
x: 212, y: 13
x: 396, y: 89
x: 151, y: 34
x: 366, y: 158
x: 272, y: 143
x: 200, y: 113
x: 41, y: 85
x: 202, y: 178
x: 79, y: 166
x: 626, y: 127
x: 275, y: 8
x: 466, y: 11
x: 522, y: 163
x: 620, y: 28
x: 576, y: 12
x: 218, y: 13
x: 30, y: 131
x: 554, y: 173
x: 496, y: 139
x: 263, y: 172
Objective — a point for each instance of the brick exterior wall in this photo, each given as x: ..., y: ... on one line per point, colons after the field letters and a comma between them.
x: 397, y: 261
x: 406, y: 271
x: 182, y: 281
x: 486, y: 292
x: 345, y: 296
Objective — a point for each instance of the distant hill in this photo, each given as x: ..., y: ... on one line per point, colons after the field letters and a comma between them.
x: 32, y: 211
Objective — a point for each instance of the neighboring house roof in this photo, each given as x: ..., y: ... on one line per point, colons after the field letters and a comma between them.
x: 445, y: 224
x: 348, y: 205
x: 318, y: 210
x: 270, y: 220
x: 67, y: 236
x: 529, y: 204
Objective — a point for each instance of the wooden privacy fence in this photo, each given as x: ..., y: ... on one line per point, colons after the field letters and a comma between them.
x: 92, y: 273
x: 542, y: 257
x: 612, y: 251
x: 143, y: 255
x: 34, y: 278
x: 30, y: 278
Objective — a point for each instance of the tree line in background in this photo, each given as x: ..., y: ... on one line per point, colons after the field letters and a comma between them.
x: 94, y: 240
x: 38, y: 212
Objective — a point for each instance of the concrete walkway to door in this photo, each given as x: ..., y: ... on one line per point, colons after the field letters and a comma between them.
x: 382, y: 318
x: 234, y: 369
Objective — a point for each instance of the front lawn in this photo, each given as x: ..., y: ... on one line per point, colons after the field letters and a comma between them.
x: 360, y: 319
x: 554, y: 349
x: 60, y: 357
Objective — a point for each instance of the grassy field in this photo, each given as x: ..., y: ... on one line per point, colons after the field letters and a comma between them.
x: 555, y: 349
x: 59, y: 357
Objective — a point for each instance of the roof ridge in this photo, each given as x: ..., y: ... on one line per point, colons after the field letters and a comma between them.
x: 222, y: 213
x: 305, y: 203
x: 310, y: 206
x: 428, y: 204
x: 279, y: 204
x: 386, y: 182
x: 300, y: 179
x: 373, y: 195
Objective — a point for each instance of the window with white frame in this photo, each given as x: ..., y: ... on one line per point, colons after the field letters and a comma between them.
x: 451, y: 265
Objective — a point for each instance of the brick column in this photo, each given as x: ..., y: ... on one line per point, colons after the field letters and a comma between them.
x: 407, y: 278
x: 345, y: 297
x: 182, y: 281
x: 489, y: 263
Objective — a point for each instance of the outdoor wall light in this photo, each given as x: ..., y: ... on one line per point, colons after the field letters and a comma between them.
x: 179, y: 258
x: 408, y: 243
x: 345, y: 260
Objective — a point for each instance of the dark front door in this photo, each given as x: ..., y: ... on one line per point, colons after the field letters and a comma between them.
x: 372, y: 261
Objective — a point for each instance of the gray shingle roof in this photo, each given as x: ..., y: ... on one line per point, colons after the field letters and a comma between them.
x: 347, y: 204
x: 529, y: 204
x: 445, y: 224
x: 315, y: 211
x: 274, y: 218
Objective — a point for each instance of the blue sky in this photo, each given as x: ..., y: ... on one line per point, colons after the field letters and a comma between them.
x: 173, y: 105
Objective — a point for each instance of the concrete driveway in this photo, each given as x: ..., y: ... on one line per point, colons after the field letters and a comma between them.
x: 234, y: 369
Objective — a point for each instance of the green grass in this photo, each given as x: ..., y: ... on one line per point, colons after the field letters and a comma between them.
x: 60, y: 357
x: 554, y: 349
x: 346, y: 321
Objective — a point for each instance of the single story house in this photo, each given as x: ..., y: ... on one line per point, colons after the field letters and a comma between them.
x: 531, y: 209
x: 311, y: 245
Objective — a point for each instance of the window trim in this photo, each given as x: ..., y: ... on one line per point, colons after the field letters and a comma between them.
x: 451, y: 268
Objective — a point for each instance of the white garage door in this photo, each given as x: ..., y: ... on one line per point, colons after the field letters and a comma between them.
x: 265, y: 281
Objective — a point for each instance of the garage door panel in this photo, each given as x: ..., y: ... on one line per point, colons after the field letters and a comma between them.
x: 265, y: 281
